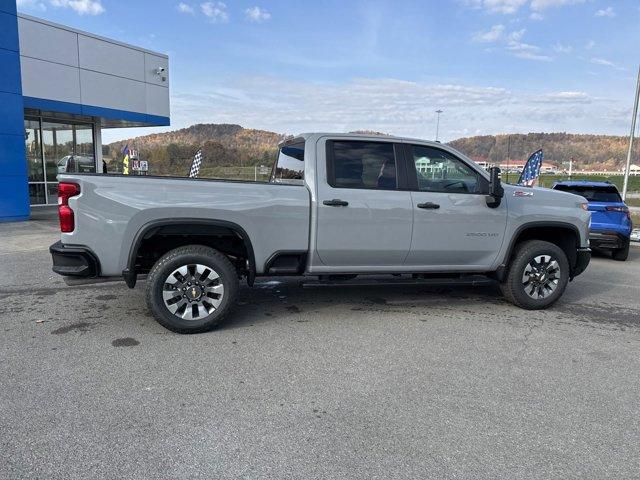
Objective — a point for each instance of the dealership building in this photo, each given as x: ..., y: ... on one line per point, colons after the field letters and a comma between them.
x: 59, y: 87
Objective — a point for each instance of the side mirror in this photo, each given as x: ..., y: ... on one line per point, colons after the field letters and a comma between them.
x: 496, y: 192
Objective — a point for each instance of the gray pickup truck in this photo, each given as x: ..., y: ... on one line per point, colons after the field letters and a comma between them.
x: 336, y: 206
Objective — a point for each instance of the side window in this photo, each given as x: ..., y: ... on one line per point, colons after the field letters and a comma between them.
x: 289, y: 167
x: 439, y: 171
x: 361, y: 164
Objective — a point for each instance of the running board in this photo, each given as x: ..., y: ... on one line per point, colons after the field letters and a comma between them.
x: 472, y: 280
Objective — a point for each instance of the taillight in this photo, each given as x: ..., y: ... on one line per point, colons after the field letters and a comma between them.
x: 65, y: 192
x: 617, y: 209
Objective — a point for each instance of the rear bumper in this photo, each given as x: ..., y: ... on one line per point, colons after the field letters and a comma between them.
x: 74, y: 260
x: 583, y: 257
x: 607, y: 240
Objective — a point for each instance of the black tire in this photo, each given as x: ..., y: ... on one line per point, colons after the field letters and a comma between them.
x: 513, y: 287
x: 621, y: 254
x: 191, y: 255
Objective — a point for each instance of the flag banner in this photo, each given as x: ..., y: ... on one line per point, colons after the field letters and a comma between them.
x: 125, y: 160
x: 531, y: 170
x: 195, y: 166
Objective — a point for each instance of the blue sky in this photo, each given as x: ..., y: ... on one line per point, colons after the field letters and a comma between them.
x: 492, y: 66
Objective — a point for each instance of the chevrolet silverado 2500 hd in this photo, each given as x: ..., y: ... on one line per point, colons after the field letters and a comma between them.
x: 335, y: 205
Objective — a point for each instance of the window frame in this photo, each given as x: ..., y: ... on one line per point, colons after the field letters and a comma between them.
x: 399, y: 158
x: 412, y: 173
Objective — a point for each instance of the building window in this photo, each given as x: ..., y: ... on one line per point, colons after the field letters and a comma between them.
x: 52, y: 148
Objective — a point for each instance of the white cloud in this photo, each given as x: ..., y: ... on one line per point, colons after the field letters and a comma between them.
x: 536, y: 16
x: 492, y: 35
x: 559, y: 48
x: 31, y: 5
x: 590, y: 44
x: 498, y: 6
x: 529, y: 55
x: 607, y: 12
x: 216, y: 12
x: 394, y: 106
x: 564, y: 97
x: 81, y: 7
x: 184, y: 8
x: 602, y: 61
x: 544, y: 4
x: 257, y: 14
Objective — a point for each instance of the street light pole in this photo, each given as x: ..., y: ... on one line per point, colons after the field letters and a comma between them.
x: 633, y: 132
x: 438, y: 123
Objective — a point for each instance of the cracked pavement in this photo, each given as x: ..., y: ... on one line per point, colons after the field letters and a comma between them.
x: 384, y: 381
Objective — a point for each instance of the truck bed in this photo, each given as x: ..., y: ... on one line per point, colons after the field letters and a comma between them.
x: 112, y: 209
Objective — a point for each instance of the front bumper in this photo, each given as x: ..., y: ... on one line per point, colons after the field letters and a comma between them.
x: 74, y: 260
x: 607, y: 240
x: 583, y: 257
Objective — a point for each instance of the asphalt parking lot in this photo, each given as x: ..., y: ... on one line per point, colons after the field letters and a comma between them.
x: 317, y: 382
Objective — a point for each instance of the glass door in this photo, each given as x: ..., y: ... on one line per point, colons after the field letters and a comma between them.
x: 52, y: 148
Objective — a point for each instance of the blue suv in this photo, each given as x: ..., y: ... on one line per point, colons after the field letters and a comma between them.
x: 610, y: 227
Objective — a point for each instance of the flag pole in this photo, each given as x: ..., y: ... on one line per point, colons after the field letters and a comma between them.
x: 633, y: 132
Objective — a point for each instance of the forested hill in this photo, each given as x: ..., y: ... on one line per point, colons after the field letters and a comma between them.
x: 231, y: 145
x: 597, y: 152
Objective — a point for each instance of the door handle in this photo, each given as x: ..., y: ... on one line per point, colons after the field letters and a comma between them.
x: 429, y: 205
x: 335, y: 203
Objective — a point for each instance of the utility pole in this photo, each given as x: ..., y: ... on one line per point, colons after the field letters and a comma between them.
x: 438, y: 123
x: 570, y: 167
x: 633, y: 132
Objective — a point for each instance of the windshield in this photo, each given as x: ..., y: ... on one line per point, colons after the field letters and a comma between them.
x: 593, y: 194
x: 289, y: 167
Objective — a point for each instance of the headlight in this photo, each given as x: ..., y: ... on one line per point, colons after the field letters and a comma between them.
x: 584, y: 206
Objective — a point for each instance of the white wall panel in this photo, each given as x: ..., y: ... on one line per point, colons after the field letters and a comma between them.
x: 99, y: 89
x: 46, y: 42
x: 48, y: 80
x: 105, y: 57
x: 157, y: 100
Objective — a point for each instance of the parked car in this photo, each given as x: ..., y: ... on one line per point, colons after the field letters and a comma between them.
x: 635, y: 235
x: 610, y: 227
x: 336, y: 205
x: 77, y: 164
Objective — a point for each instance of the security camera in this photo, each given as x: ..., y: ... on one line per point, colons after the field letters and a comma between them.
x: 160, y: 70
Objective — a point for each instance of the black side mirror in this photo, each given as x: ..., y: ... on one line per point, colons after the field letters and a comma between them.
x: 496, y: 192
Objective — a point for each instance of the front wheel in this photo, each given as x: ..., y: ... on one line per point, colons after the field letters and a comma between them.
x: 537, y: 275
x: 191, y: 289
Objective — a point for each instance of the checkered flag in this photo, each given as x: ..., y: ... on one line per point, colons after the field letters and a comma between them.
x: 195, y: 166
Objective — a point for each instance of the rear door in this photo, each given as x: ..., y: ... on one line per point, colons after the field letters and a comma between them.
x: 364, y: 220
x: 452, y: 225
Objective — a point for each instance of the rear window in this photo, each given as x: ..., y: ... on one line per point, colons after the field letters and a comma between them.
x: 593, y: 194
x: 289, y: 167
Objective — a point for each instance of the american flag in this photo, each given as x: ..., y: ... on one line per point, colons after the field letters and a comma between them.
x: 531, y: 170
x: 195, y: 166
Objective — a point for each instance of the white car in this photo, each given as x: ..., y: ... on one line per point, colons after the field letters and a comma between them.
x: 635, y: 235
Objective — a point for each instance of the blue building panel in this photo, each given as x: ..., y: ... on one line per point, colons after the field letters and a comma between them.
x: 10, y: 77
x: 12, y: 155
x: 9, y: 32
x: 11, y: 113
x: 14, y: 201
x: 8, y: 6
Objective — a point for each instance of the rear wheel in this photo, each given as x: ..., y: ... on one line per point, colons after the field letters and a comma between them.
x: 621, y: 254
x: 537, y: 275
x: 191, y: 289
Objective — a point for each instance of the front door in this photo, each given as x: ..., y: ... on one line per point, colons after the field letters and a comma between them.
x: 453, y: 227
x: 364, y: 220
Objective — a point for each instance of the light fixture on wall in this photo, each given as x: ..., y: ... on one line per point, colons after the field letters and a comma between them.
x: 161, y: 72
